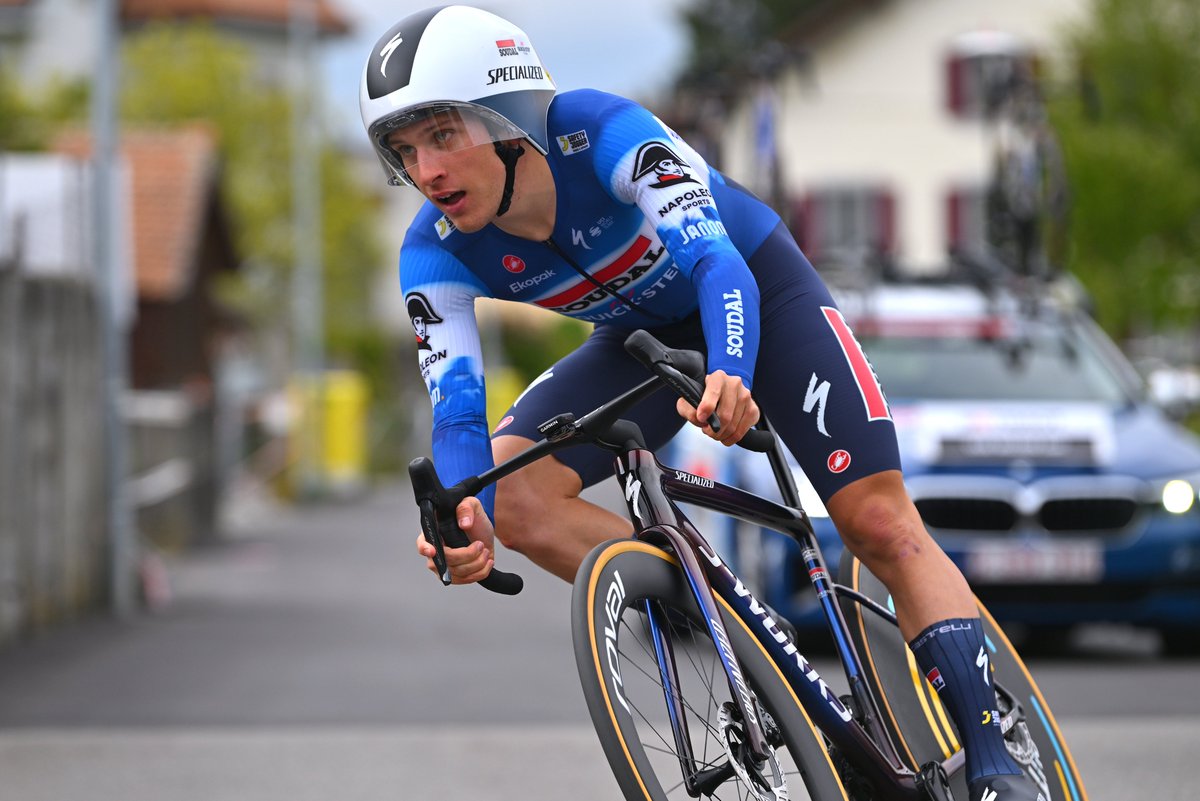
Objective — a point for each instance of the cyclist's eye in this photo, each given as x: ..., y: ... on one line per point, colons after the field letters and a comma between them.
x: 443, y: 135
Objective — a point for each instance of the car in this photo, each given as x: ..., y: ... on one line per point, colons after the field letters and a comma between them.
x: 1033, y: 452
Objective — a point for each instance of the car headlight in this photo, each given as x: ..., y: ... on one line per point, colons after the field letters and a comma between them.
x: 1177, y: 495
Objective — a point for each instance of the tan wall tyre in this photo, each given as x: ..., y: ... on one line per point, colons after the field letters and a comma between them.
x: 915, y: 716
x: 624, y: 693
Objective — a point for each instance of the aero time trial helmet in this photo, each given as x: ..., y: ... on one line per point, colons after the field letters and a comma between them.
x: 451, y: 61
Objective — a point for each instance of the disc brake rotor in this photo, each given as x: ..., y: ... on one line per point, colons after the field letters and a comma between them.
x: 772, y: 787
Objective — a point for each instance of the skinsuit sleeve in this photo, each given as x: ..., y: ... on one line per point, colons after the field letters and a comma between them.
x: 439, y: 295
x: 643, y: 162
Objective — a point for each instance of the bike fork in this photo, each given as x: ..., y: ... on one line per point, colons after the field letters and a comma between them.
x: 739, y: 689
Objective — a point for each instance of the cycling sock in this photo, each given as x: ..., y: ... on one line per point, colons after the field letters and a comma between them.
x: 955, y: 661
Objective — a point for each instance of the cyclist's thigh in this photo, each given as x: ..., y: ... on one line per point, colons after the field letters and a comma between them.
x: 812, y: 379
x: 596, y: 372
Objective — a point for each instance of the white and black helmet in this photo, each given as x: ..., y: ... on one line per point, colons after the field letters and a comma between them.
x: 454, y: 57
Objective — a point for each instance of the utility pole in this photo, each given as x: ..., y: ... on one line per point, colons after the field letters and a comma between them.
x: 307, y: 289
x: 106, y: 212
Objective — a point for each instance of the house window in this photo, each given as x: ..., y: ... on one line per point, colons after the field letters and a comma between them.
x: 966, y: 219
x: 835, y: 220
x: 982, y: 68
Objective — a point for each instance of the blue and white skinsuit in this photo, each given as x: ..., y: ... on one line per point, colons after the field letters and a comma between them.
x: 704, y: 265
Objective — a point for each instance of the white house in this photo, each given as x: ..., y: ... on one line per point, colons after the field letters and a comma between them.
x: 879, y: 127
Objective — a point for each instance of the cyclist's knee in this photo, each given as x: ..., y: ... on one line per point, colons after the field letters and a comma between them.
x: 526, y: 504
x: 878, y: 522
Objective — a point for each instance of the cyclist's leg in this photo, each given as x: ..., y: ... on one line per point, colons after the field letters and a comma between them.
x: 843, y: 436
x: 912, y: 709
x: 538, y: 509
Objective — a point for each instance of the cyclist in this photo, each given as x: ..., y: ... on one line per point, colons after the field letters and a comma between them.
x: 586, y: 204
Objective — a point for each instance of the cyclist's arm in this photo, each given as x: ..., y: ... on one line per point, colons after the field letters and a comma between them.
x: 449, y: 356
x: 685, y: 216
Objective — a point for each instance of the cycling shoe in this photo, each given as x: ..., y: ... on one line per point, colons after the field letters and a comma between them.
x: 1005, y: 788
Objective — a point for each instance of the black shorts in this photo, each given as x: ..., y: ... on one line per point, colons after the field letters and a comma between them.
x: 811, y: 381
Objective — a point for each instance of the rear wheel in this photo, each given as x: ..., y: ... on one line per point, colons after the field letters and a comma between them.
x: 619, y: 671
x: 919, y: 724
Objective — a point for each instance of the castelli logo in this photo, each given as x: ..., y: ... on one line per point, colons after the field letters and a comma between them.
x: 838, y: 461
x: 514, y: 264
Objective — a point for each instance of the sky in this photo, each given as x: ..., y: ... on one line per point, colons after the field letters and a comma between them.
x: 628, y: 47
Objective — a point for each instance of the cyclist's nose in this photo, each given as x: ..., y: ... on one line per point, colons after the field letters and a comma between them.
x: 430, y: 167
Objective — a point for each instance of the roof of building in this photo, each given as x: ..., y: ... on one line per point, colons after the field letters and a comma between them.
x: 273, y: 12
x: 173, y: 176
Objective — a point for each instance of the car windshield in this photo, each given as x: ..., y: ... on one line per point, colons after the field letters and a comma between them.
x: 1045, y: 366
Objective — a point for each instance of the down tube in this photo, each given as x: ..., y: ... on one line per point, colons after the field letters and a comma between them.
x: 819, y: 699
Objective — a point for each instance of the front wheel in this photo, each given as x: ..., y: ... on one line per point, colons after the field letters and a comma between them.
x: 615, y: 590
x: 919, y: 724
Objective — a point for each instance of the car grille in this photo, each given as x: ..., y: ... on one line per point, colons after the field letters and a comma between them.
x: 996, y: 506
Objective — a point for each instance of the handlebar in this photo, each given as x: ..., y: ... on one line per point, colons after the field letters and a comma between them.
x: 681, y: 370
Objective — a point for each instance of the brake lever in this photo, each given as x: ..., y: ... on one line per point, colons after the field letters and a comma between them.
x: 679, y: 370
x: 429, y: 527
x: 437, y: 506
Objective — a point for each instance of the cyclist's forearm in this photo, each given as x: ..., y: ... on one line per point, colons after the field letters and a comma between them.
x: 729, y: 313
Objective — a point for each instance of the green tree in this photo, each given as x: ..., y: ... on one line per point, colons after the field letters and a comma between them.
x: 1130, y: 136
x: 28, y: 119
x: 182, y: 73
x: 733, y: 38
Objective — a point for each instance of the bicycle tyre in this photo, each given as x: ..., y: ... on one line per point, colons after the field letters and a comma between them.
x: 643, y: 768
x: 920, y: 726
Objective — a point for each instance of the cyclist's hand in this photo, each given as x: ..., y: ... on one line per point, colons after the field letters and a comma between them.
x: 474, y: 562
x: 728, y: 396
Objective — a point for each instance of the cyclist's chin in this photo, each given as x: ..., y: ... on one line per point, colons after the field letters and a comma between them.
x: 469, y: 220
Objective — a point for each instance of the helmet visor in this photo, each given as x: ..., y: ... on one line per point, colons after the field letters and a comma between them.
x: 416, y: 137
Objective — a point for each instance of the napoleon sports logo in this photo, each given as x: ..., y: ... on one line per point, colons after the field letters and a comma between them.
x: 655, y: 158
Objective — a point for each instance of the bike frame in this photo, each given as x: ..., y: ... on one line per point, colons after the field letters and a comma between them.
x: 650, y: 491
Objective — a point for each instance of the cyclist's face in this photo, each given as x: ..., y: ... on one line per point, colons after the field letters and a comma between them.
x: 451, y: 159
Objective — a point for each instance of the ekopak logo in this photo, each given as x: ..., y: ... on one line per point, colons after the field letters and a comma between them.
x: 514, y: 264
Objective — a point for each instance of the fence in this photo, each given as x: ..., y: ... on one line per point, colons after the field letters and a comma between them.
x: 52, y: 498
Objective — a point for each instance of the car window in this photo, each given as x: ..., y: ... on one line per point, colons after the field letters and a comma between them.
x: 1043, y: 367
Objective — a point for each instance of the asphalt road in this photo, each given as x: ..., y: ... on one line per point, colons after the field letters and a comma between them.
x: 312, y: 657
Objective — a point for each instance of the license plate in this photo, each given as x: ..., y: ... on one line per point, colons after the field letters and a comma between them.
x: 1000, y: 563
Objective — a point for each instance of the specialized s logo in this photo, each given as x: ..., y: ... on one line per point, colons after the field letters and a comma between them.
x: 658, y: 159
x: 816, y: 397
x: 422, y: 315
x: 633, y: 495
x: 386, y: 52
